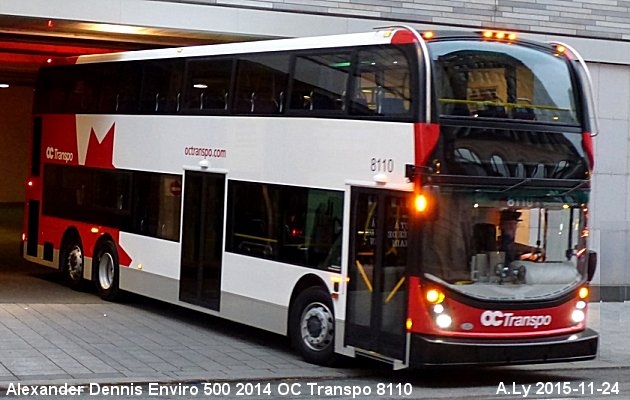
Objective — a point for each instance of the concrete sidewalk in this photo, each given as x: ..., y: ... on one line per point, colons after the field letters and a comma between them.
x: 612, y: 321
x: 114, y: 343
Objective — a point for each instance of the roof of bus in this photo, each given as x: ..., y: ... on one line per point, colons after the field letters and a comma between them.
x: 380, y: 36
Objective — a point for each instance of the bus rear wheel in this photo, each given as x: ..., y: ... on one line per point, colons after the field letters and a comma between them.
x: 107, y: 270
x: 72, y: 262
x: 312, y: 326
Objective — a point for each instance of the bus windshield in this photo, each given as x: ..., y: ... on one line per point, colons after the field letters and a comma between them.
x: 501, y: 80
x: 518, y: 247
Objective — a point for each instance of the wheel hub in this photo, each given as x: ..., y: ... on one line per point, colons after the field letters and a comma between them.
x: 317, y: 327
x: 75, y: 263
x: 106, y: 271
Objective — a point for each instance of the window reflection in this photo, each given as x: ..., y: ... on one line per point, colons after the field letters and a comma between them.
x: 496, y: 80
x: 512, y: 153
x: 295, y: 225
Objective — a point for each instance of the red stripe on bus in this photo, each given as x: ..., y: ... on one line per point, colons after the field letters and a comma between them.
x: 426, y: 138
x: 587, y: 143
x: 403, y: 37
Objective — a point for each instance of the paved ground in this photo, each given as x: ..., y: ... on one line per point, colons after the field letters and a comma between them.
x: 72, y: 337
x: 118, y: 342
x: 112, y: 343
x: 50, y: 333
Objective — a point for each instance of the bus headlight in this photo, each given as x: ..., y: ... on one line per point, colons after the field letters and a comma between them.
x: 444, y: 321
x: 578, y: 316
x: 436, y: 299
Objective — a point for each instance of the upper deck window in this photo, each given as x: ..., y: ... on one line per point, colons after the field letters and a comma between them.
x: 500, y: 80
x: 382, y: 83
x: 320, y: 82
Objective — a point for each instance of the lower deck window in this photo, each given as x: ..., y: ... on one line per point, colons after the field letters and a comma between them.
x: 290, y: 224
x: 144, y: 203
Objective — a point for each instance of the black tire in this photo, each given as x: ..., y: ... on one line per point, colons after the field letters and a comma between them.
x: 71, y: 262
x: 106, y: 270
x: 312, y: 326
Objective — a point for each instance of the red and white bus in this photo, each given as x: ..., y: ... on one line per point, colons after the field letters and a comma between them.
x: 419, y: 198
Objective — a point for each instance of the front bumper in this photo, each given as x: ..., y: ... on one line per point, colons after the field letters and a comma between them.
x: 426, y: 350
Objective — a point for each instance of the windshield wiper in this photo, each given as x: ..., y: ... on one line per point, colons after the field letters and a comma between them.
x: 517, y: 185
x: 574, y: 188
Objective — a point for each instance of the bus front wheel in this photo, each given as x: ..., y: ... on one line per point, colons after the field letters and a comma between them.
x: 107, y: 270
x: 312, y: 326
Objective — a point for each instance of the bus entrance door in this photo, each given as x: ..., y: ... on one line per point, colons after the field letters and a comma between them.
x: 202, y: 237
x: 377, y: 288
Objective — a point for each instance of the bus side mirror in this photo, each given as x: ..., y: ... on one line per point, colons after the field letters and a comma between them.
x: 591, y: 265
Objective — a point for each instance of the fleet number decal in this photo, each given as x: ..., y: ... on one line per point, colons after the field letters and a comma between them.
x: 382, y: 164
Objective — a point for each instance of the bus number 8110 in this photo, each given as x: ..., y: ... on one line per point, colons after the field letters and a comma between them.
x: 382, y: 165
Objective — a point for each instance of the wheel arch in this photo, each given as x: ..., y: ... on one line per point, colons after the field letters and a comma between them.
x: 305, y: 282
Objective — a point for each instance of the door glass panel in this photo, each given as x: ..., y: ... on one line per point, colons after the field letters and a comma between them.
x: 200, y: 279
x: 361, y: 270
x: 393, y: 291
x: 377, y: 287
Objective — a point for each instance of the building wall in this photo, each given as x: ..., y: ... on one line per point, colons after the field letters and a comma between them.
x: 611, y: 198
x: 608, y: 19
x: 15, y: 132
x: 599, y: 29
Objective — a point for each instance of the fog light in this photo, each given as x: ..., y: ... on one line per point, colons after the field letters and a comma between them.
x: 438, y: 309
x: 443, y: 321
x: 578, y: 316
x: 580, y: 305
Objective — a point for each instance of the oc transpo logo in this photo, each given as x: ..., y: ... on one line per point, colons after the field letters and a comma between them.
x: 499, y: 318
x: 55, y: 154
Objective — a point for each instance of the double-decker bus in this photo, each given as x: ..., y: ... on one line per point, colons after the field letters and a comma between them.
x: 419, y: 198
